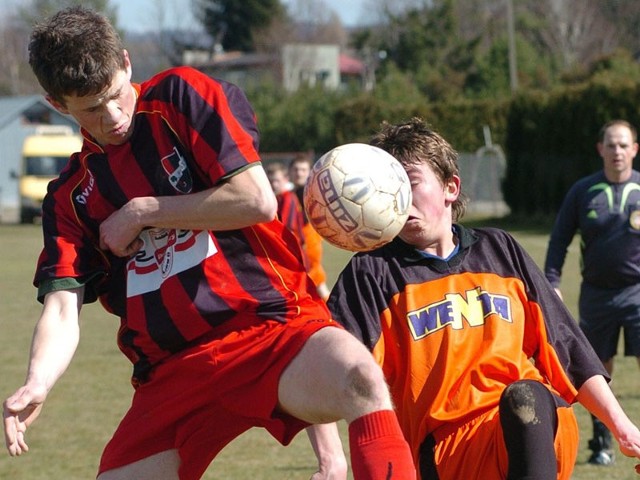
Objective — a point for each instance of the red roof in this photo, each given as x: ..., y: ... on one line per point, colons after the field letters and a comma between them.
x: 350, y: 65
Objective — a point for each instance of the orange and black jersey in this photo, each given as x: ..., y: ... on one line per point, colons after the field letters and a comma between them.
x: 452, y: 334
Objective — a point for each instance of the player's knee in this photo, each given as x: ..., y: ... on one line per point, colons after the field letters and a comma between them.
x: 526, y: 401
x: 365, y: 386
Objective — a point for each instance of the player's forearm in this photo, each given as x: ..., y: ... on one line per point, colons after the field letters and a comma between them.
x: 243, y: 200
x: 596, y: 396
x: 55, y: 339
x: 327, y: 445
x: 202, y: 211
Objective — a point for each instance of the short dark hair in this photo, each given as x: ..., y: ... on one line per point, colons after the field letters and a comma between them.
x: 623, y: 123
x: 276, y: 167
x: 415, y: 142
x: 75, y: 52
x: 301, y: 157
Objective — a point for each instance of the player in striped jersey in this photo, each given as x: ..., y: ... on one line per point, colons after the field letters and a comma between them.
x: 167, y: 217
x: 482, y: 357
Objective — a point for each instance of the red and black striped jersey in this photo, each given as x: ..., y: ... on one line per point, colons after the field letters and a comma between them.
x: 452, y: 334
x: 190, y: 132
x: 290, y: 213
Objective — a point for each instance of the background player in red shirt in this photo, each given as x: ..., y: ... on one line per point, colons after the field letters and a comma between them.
x: 167, y: 217
x: 455, y: 317
x: 289, y: 207
x: 299, y: 170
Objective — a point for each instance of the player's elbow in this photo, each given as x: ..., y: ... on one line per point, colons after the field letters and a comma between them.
x: 252, y: 188
x: 265, y: 206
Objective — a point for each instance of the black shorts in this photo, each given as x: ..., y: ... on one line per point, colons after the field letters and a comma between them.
x: 604, y: 313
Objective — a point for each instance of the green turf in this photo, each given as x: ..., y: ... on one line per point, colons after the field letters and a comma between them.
x: 86, y: 404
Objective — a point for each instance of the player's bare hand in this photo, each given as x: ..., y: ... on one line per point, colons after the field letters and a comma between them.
x: 119, y: 232
x: 629, y: 442
x: 19, y: 411
x: 328, y: 476
x: 337, y: 470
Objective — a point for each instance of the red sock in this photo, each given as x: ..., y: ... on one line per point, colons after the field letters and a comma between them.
x: 378, y: 448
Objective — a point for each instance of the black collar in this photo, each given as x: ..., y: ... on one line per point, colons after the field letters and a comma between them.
x: 408, y: 253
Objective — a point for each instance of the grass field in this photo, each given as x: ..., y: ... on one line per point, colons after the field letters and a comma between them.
x: 88, y: 401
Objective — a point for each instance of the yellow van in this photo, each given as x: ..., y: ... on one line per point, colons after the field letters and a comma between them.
x: 44, y: 155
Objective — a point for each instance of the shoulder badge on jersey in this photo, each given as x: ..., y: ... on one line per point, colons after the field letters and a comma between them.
x: 178, y: 172
x: 634, y: 219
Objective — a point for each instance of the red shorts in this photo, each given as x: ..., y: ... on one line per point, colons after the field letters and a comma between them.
x: 200, y: 399
x: 476, y: 449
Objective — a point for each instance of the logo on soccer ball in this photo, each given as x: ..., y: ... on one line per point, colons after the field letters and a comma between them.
x: 357, y: 197
x: 332, y: 200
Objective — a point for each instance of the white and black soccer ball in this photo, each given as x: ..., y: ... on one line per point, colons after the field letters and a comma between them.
x: 357, y: 197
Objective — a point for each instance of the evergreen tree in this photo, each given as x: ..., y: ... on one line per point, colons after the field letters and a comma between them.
x: 234, y: 23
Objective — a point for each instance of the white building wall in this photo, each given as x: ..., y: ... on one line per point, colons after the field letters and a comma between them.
x: 307, y: 64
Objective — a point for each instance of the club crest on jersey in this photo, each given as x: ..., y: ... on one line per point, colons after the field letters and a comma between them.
x: 163, y: 240
x: 166, y: 252
x: 458, y: 311
x: 634, y: 219
x: 177, y: 171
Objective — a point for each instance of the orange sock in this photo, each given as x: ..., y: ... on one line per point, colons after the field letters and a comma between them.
x: 378, y: 448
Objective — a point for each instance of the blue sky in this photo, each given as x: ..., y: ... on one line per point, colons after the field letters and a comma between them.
x: 140, y: 15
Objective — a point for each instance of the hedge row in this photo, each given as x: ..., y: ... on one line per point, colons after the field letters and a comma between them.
x: 549, y: 137
x: 551, y: 140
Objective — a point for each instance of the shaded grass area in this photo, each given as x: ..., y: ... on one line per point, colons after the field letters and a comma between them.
x: 87, y: 403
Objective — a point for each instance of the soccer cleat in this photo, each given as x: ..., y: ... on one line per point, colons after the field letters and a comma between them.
x: 602, y: 457
x: 600, y: 445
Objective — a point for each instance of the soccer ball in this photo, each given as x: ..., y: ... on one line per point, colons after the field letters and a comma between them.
x: 357, y: 197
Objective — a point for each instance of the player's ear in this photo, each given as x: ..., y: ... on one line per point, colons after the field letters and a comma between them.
x: 452, y: 188
x: 57, y: 105
x: 127, y: 64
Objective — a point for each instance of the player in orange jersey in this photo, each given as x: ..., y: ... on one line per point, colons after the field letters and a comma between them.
x: 455, y: 317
